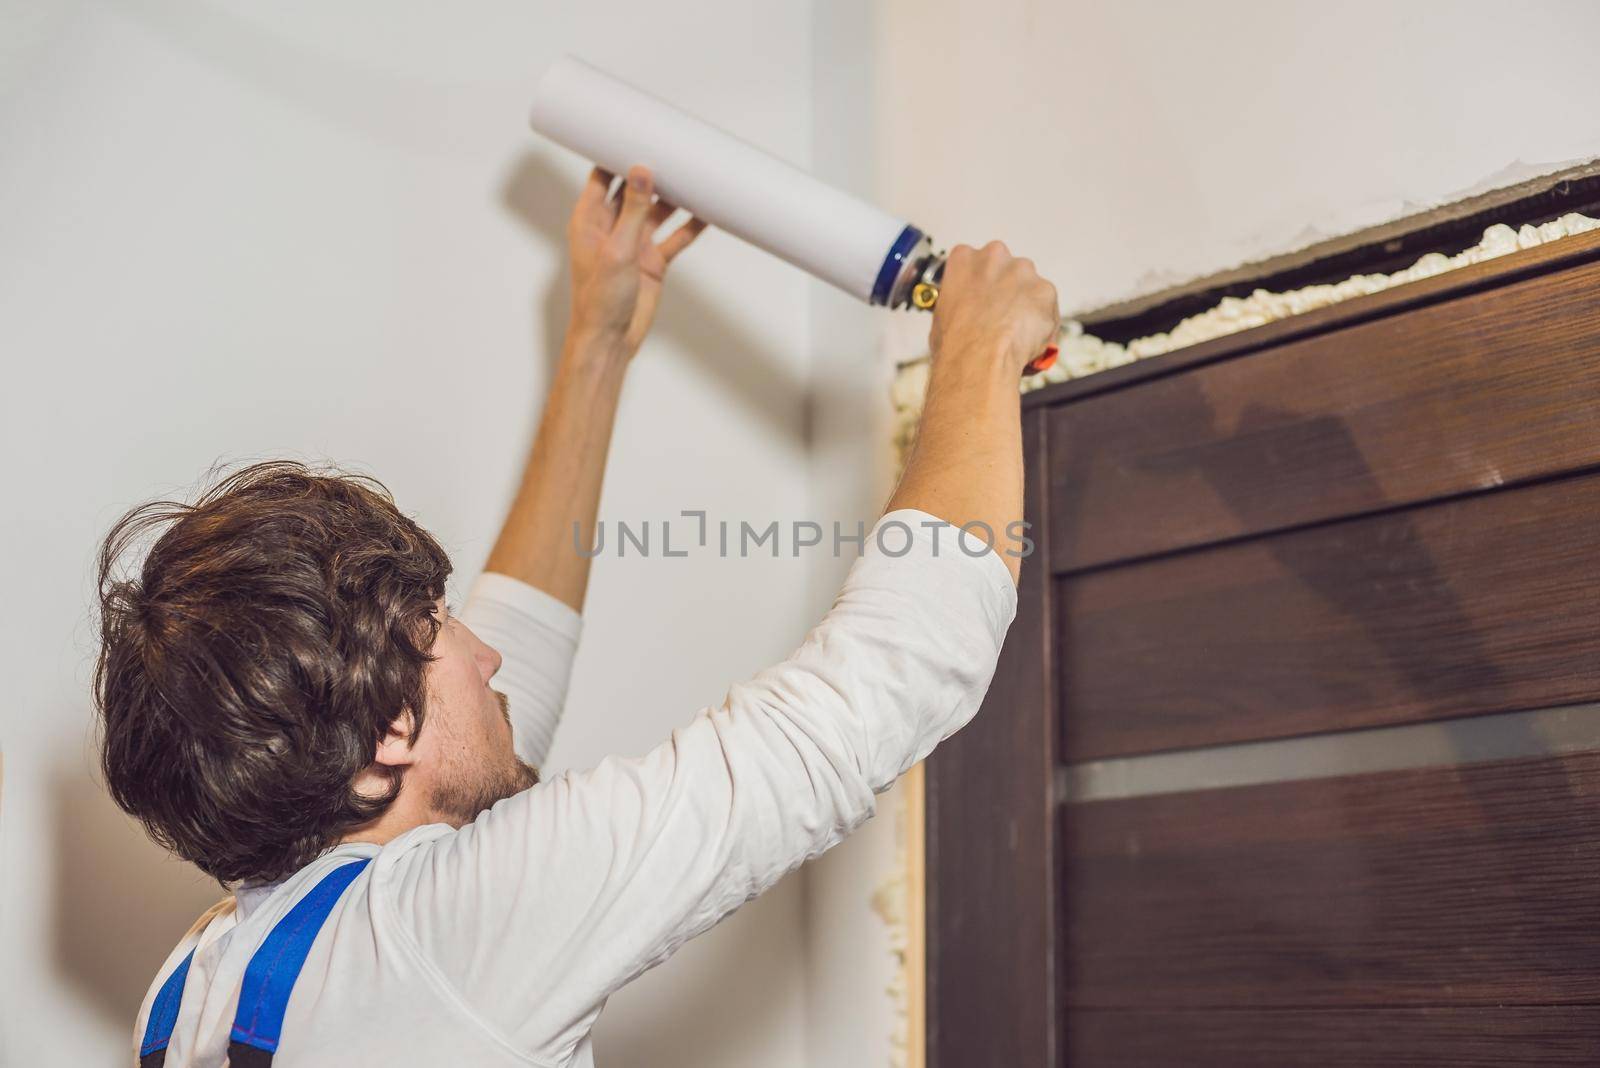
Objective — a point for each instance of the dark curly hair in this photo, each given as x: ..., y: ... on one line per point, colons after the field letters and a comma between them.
x: 274, y: 631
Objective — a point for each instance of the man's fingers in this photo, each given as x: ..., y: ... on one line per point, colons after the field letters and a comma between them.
x: 682, y: 237
x: 636, y: 201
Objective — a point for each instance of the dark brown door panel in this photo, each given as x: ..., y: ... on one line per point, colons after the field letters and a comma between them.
x: 1476, y: 392
x: 1347, y: 1038
x: 1478, y: 604
x: 1468, y: 885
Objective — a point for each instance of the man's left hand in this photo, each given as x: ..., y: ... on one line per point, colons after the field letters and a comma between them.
x: 617, y: 265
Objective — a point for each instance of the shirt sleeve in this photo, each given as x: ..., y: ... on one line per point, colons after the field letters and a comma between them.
x: 555, y: 898
x: 536, y: 636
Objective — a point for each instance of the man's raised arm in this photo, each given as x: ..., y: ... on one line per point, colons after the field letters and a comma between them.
x: 529, y: 599
x: 617, y: 269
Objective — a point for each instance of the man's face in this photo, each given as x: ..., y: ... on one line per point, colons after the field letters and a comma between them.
x: 464, y: 759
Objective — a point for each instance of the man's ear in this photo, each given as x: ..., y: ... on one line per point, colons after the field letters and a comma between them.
x: 394, y: 748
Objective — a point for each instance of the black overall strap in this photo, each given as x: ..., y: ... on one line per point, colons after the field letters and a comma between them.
x: 268, y: 980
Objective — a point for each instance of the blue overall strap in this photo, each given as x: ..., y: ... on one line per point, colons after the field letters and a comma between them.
x: 163, y: 1015
x: 269, y: 977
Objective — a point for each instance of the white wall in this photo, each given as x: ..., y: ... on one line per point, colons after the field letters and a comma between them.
x: 237, y: 230
x: 1132, y: 145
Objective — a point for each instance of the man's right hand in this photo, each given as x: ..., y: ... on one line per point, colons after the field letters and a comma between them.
x: 994, y: 315
x: 993, y: 307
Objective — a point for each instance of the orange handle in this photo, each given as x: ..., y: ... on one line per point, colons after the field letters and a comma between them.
x: 1042, y: 362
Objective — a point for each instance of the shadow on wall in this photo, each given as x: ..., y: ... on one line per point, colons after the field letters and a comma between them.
x: 742, y: 364
x: 120, y: 902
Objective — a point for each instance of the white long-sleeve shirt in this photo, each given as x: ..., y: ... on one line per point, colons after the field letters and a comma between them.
x: 499, y: 943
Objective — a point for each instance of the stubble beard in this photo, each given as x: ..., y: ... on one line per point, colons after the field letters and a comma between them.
x: 463, y: 797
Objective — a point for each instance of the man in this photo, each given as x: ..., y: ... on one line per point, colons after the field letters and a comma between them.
x: 288, y: 704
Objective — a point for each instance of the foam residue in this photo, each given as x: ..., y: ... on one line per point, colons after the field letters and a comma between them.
x: 1083, y: 353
